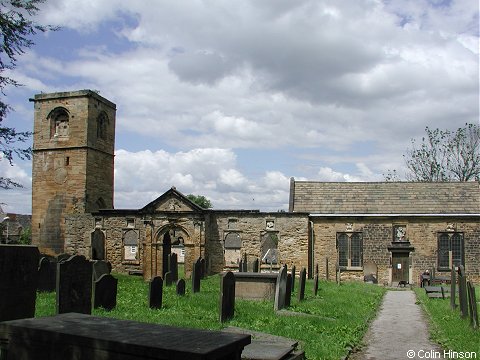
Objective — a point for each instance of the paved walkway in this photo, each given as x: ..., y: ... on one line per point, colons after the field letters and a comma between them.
x: 399, y: 331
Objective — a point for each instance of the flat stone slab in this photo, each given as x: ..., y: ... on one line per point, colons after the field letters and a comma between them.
x: 261, y: 336
x: 81, y: 336
x: 263, y: 350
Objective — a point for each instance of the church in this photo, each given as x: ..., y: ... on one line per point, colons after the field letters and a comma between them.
x: 392, y: 230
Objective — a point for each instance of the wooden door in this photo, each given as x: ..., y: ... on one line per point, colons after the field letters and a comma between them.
x: 400, y: 267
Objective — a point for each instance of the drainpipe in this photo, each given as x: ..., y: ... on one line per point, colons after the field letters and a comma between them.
x: 311, y: 264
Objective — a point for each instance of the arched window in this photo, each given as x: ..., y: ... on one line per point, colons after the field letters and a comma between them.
x: 130, y: 245
x: 102, y: 124
x: 269, y: 248
x: 59, y: 123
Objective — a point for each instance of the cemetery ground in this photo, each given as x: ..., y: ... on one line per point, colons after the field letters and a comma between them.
x: 328, y: 326
x: 446, y: 326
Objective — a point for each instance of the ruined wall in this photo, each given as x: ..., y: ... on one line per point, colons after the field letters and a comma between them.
x: 378, y: 236
x: 290, y: 229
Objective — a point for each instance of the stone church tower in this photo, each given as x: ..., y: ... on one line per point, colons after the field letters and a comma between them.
x: 73, y: 154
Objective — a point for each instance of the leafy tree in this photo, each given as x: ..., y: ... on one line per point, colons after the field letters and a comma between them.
x: 200, y: 200
x: 443, y: 155
x: 17, y: 27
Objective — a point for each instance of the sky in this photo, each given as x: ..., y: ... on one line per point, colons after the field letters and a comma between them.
x: 230, y: 99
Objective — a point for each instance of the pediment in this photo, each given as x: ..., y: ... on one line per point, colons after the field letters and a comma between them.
x: 172, y: 201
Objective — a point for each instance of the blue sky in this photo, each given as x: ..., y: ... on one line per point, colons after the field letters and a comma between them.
x: 231, y: 99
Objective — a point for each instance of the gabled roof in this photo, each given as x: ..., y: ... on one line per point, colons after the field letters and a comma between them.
x: 335, y: 198
x: 171, y: 201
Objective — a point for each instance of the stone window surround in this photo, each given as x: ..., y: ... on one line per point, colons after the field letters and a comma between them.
x: 349, y: 266
x: 450, y: 235
x: 126, y: 261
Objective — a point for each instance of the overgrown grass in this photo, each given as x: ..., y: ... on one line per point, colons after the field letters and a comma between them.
x: 447, y: 328
x: 339, y: 315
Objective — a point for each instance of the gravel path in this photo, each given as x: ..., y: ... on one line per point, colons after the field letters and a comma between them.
x: 399, y: 331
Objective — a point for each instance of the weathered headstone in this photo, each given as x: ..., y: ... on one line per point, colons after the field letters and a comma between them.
x: 280, y: 289
x: 168, y: 278
x: 155, y: 293
x: 256, y: 267
x: 294, y: 272
x: 181, y: 287
x: 288, y: 290
x: 462, y: 292
x: 196, y: 276
x: 173, y: 266
x: 453, y: 283
x: 301, y: 284
x: 432, y: 276
x: 105, y: 292
x: 100, y: 267
x: 472, y: 302
x: 227, y: 296
x: 316, y: 269
x: 315, y: 285
x: 74, y: 285
x: 47, y: 272
x: 338, y: 274
x: 63, y: 257
x: 18, y: 286
x: 240, y: 266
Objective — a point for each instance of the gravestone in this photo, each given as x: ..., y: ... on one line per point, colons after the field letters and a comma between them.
x: 256, y: 267
x: 74, y: 285
x: 472, y: 302
x: 280, y: 289
x: 100, y: 268
x: 453, y: 283
x: 173, y: 266
x: 227, y: 296
x: 288, y: 291
x: 181, y: 287
x: 63, y: 257
x: 196, y: 275
x: 18, y: 284
x: 105, y: 294
x: 316, y: 269
x: 327, y: 276
x: 203, y: 268
x: 301, y: 284
x: 432, y: 276
x: 47, y: 272
x: 462, y: 292
x: 168, y: 278
x: 294, y: 272
x: 338, y: 274
x: 155, y: 293
x: 315, y: 285
x: 240, y: 266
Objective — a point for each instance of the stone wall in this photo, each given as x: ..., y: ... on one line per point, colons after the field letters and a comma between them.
x: 378, y: 235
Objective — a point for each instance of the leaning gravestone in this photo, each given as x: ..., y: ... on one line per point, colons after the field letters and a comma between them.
x: 196, y: 276
x: 181, y: 287
x: 301, y: 284
x: 18, y: 284
x: 105, y: 294
x: 327, y: 277
x: 462, y: 292
x: 294, y: 271
x: 203, y: 267
x: 155, y: 293
x: 472, y: 302
x: 453, y: 283
x: 74, y: 285
x: 47, y: 271
x: 280, y: 289
x: 315, y: 285
x: 227, y: 296
x: 100, y: 268
x: 288, y: 290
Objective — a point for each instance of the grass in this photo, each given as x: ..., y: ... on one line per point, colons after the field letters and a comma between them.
x: 447, y: 328
x: 340, y: 314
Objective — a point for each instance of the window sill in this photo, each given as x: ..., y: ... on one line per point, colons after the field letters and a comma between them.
x: 351, y: 268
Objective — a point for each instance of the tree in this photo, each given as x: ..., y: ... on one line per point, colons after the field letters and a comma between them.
x: 200, y: 200
x: 444, y: 155
x: 17, y: 27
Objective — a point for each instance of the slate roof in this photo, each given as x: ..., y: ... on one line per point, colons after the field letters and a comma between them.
x: 385, y: 197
